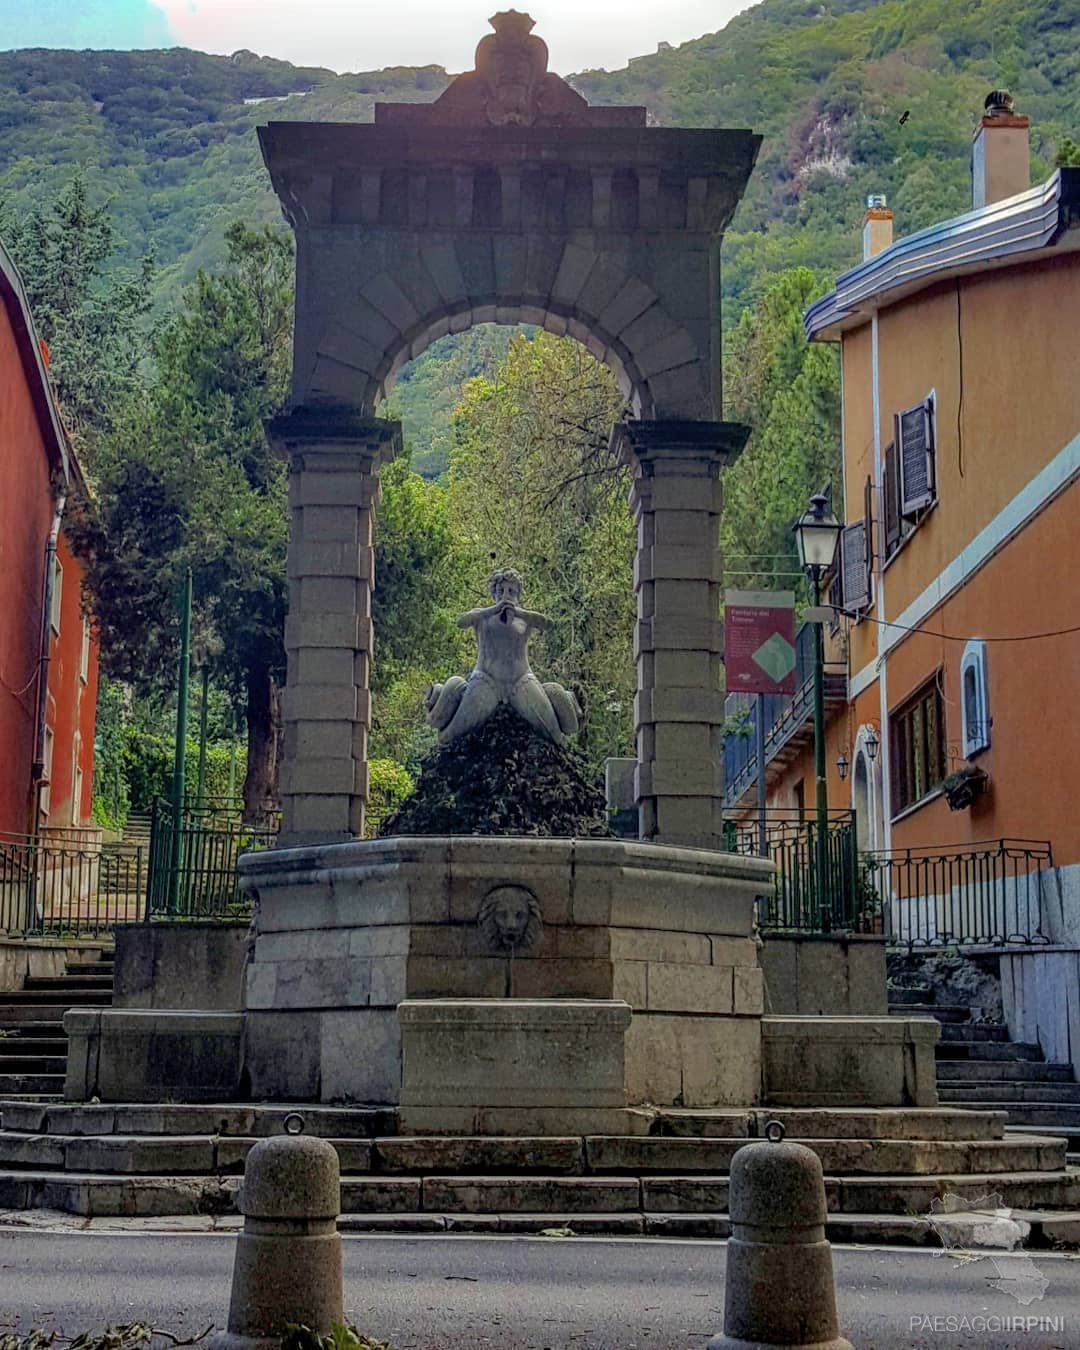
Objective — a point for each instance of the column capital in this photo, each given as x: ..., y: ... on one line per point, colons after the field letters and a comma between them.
x: 343, y: 439
x: 677, y: 445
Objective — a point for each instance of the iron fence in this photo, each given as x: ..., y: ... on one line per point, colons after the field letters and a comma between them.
x: 800, y: 901
x: 196, y: 877
x: 53, y: 887
x: 983, y: 894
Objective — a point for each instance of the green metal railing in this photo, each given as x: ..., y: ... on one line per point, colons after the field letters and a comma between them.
x: 800, y: 900
x: 68, y: 887
x: 196, y: 877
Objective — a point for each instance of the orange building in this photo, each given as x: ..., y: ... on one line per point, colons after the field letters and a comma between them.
x: 957, y: 578
x: 48, y: 656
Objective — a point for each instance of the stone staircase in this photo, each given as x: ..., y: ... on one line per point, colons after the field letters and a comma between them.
x: 33, y: 1045
x: 979, y: 1066
x: 884, y: 1168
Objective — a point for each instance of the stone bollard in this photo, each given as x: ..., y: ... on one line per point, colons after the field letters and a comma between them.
x: 779, y: 1285
x: 288, y: 1258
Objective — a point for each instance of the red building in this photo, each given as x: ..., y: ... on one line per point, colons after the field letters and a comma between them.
x: 48, y: 657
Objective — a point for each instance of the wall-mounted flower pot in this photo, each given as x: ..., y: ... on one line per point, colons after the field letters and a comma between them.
x: 964, y: 786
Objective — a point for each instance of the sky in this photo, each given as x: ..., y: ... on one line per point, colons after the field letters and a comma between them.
x: 363, y: 34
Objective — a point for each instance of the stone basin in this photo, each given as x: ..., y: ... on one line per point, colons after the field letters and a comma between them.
x: 344, y: 933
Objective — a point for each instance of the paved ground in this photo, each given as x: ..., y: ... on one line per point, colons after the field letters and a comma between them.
x: 451, y: 1293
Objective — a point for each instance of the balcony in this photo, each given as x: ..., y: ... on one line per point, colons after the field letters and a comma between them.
x: 789, y: 723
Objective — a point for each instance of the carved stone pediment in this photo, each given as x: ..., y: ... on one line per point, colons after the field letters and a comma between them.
x: 510, y: 87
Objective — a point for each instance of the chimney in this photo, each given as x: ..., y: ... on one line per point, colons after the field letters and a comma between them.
x: 999, y: 153
x: 877, y: 226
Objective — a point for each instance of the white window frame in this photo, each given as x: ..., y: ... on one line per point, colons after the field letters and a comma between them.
x: 46, y: 777
x: 84, y: 651
x: 57, y: 595
x: 975, y: 732
x: 76, y: 779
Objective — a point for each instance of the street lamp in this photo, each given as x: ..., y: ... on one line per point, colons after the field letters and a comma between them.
x: 842, y: 765
x: 871, y: 744
x: 816, y: 532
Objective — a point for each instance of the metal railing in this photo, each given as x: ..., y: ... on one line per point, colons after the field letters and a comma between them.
x: 198, y: 879
x: 983, y: 894
x: 58, y: 888
x: 799, y: 901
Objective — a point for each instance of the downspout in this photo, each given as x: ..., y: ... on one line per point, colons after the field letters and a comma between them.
x: 37, y: 768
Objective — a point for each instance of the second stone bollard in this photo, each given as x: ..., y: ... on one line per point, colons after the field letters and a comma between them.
x: 779, y: 1289
x: 288, y: 1258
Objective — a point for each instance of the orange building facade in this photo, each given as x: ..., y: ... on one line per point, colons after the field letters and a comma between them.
x: 48, y: 656
x: 959, y: 623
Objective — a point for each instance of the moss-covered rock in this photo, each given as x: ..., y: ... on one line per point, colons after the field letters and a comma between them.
x: 502, y: 778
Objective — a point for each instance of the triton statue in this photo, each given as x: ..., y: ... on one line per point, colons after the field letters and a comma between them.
x: 502, y: 673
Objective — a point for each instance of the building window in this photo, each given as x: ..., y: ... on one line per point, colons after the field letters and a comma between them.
x: 909, y: 469
x: 975, y: 702
x: 77, y: 780
x: 917, y: 747
x: 57, y: 594
x: 84, y: 652
x: 46, y: 777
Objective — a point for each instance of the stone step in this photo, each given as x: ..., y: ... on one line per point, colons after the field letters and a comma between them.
x: 29, y: 1027
x: 12, y: 1014
x: 977, y: 1070
x: 1038, y: 1116
x: 69, y: 983
x: 17, y: 1084
x: 944, y: 1012
x: 33, y: 1045
x: 1006, y: 1090
x: 916, y: 993
x: 201, y: 1119
x: 33, y: 1064
x: 975, y: 1031
x: 43, y: 1097
x: 95, y: 1194
x: 997, y: 1050
x: 931, y: 1123
x: 838, y: 1122
x: 102, y: 967
x: 478, y: 1156
x: 58, y: 999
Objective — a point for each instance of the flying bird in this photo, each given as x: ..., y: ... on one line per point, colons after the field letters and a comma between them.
x: 903, y: 117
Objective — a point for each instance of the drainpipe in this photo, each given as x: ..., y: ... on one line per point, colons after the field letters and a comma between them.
x: 37, y: 768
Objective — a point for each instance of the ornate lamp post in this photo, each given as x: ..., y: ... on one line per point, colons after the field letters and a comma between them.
x: 816, y: 532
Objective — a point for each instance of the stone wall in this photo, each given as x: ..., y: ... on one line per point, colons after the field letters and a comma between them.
x: 814, y: 975
x: 849, y: 1061
x: 41, y: 958
x: 1040, y: 991
x: 347, y: 932
x: 185, y: 966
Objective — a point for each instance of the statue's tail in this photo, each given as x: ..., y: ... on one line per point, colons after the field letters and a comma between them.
x: 565, y: 707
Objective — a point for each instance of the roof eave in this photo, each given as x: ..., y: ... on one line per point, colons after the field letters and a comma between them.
x: 1000, y: 235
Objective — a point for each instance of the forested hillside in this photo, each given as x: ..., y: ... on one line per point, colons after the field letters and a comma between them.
x: 170, y: 135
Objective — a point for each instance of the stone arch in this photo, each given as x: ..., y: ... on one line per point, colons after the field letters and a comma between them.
x: 866, y: 797
x: 661, y: 362
x: 510, y: 200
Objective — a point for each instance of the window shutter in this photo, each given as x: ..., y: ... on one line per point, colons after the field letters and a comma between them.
x: 914, y: 439
x: 890, y: 523
x: 868, y: 518
x: 853, y: 557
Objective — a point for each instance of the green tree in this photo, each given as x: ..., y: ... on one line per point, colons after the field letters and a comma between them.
x: 189, y: 480
x: 788, y: 392
x: 532, y: 486
x: 91, y: 314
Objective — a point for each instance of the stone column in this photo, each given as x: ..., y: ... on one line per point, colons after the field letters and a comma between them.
x: 679, y: 707
x: 333, y: 457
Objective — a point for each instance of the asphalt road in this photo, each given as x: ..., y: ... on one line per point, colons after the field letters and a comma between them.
x: 530, y: 1293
